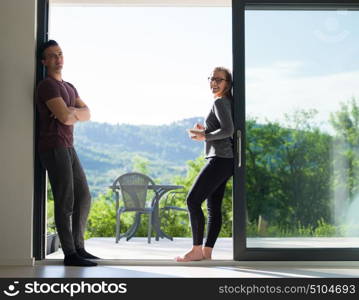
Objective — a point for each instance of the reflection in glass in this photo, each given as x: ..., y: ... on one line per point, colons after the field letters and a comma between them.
x: 302, y: 122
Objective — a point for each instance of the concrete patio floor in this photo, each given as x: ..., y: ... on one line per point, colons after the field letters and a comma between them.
x: 137, y: 248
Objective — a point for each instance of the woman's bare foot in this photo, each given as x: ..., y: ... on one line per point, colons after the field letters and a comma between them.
x: 194, y: 254
x: 207, y: 253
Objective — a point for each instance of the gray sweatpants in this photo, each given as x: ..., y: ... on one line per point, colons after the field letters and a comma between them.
x: 72, y: 197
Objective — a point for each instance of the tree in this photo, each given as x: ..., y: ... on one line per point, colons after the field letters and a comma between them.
x: 140, y: 164
x: 288, y: 172
x: 346, y: 155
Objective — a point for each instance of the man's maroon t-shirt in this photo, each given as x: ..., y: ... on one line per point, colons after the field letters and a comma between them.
x: 53, y: 133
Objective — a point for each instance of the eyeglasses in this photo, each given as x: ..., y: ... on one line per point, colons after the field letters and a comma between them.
x: 216, y: 79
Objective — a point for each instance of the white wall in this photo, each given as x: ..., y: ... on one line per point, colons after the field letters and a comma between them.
x: 17, y: 79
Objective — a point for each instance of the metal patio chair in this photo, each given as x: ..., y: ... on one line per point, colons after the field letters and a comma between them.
x: 133, y: 188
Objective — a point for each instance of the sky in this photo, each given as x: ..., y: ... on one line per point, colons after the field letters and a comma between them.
x: 150, y: 65
x: 300, y: 61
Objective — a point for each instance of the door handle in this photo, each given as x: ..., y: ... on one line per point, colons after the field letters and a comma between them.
x: 239, y: 147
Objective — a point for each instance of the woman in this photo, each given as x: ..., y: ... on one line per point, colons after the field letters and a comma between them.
x: 210, y: 183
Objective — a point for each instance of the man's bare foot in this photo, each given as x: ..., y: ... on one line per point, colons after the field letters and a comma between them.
x: 194, y: 254
x: 207, y: 253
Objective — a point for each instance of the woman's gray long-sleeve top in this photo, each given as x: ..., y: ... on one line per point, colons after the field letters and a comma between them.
x: 219, y: 129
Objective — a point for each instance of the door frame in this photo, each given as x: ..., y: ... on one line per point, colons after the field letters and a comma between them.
x: 240, y: 250
x: 39, y: 210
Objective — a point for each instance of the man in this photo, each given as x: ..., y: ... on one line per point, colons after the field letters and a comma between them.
x: 60, y: 107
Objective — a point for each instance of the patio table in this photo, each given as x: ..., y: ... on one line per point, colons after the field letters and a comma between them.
x: 161, y: 190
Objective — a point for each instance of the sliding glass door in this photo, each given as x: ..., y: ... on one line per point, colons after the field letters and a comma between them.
x: 298, y: 170
x: 296, y: 183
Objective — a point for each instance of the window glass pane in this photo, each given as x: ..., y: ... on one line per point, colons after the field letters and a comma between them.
x: 302, y: 118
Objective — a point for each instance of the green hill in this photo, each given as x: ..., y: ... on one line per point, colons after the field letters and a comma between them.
x: 107, y: 151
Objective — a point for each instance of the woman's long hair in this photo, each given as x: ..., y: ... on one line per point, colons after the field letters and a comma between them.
x: 228, y: 76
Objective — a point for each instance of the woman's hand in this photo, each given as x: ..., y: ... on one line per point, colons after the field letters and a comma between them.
x: 196, y: 134
x: 198, y: 126
x: 199, y: 137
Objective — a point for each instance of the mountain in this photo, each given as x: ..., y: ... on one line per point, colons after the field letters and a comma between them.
x: 106, y: 151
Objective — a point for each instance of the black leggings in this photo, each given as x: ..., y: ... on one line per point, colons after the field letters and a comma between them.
x: 210, y: 184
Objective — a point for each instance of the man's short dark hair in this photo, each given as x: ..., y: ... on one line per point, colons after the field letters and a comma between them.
x: 44, y: 46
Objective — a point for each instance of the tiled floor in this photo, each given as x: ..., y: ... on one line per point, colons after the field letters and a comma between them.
x: 117, y: 271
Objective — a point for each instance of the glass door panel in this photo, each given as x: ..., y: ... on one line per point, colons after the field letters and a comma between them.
x: 302, y: 129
